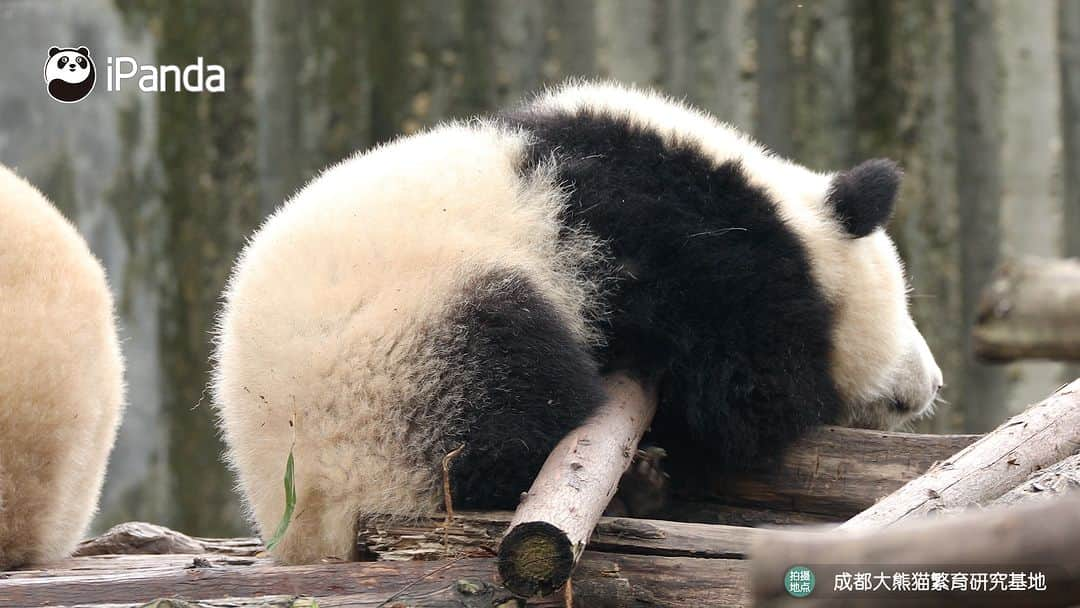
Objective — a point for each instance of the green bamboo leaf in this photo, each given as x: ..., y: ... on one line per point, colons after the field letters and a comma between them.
x: 290, y: 503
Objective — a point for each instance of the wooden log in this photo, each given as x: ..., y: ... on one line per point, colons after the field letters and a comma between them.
x: 1036, y: 538
x: 830, y: 474
x: 1045, y: 484
x: 711, y: 512
x: 1037, y: 438
x: 1030, y: 310
x: 477, y: 533
x: 556, y: 517
x: 135, y: 537
x: 602, y: 580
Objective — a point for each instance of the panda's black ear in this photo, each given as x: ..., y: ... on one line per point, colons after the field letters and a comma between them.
x: 53, y: 50
x: 863, y: 197
x: 84, y: 51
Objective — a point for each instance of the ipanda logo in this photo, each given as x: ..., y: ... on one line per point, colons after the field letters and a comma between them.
x: 70, y: 75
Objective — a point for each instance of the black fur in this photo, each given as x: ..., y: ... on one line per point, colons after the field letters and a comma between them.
x: 711, y: 293
x: 863, y: 196
x: 528, y: 383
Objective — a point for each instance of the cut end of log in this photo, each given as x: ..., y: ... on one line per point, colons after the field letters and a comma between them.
x: 535, y: 558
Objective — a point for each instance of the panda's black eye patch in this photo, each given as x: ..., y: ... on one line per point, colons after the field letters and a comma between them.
x: 81, y: 61
x: 63, y: 61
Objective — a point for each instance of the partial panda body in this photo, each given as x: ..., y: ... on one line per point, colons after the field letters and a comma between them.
x: 470, y: 286
x: 61, y: 385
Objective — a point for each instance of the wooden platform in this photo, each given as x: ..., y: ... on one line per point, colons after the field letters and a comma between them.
x: 608, y: 576
x: 831, y: 475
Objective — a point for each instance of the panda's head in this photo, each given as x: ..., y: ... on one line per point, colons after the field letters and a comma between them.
x: 881, y: 364
x: 69, y: 74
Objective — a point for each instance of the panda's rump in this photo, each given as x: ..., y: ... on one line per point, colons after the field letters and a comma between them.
x: 379, y: 320
x: 61, y: 387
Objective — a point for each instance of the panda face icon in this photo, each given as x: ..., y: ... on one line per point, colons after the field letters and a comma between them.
x: 69, y: 74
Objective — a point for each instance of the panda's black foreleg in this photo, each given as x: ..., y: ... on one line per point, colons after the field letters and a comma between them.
x: 529, y: 381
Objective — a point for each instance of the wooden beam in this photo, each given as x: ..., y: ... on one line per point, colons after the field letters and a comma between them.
x: 602, y: 579
x: 556, y: 517
x: 1035, y: 439
x: 1030, y: 310
x: 1037, y: 538
x: 829, y: 475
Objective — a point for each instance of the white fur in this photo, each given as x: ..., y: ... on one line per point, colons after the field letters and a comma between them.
x: 61, y: 386
x: 326, y: 336
x: 878, y: 352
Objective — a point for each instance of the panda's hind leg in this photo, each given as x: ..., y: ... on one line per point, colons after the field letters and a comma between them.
x: 528, y: 381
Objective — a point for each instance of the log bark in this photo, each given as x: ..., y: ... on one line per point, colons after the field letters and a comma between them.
x: 1030, y: 310
x: 1039, y: 537
x: 1037, y: 438
x: 557, y: 515
x: 830, y: 474
x: 1046, y: 484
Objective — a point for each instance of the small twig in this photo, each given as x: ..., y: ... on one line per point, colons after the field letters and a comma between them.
x: 448, y: 498
x: 568, y: 593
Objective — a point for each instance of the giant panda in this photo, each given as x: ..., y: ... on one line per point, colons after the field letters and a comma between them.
x: 61, y: 385
x: 472, y: 285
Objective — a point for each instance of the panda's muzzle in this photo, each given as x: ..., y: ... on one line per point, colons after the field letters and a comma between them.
x: 907, y: 407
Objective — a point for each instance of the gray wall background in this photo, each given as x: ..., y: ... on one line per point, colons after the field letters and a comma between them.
x: 978, y: 99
